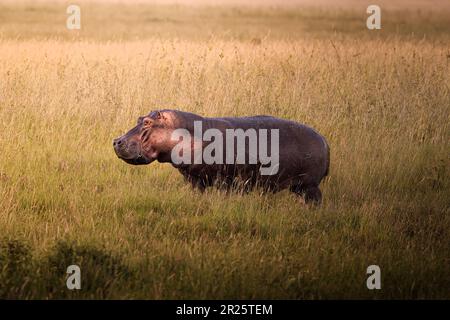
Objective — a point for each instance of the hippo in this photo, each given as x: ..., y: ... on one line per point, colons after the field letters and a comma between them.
x: 231, y: 152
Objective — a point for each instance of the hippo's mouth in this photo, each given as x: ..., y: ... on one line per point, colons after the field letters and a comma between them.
x: 140, y: 159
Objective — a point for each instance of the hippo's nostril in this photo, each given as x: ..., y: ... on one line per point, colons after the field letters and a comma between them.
x: 117, y: 142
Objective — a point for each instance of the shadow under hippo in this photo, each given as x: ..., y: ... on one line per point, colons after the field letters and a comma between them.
x: 242, y: 152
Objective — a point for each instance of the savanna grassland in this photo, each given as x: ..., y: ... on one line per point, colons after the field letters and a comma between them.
x: 380, y: 97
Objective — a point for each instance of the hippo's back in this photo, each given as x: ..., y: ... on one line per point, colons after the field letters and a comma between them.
x: 303, y: 152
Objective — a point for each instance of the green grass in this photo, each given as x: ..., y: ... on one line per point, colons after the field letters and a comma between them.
x: 382, y: 101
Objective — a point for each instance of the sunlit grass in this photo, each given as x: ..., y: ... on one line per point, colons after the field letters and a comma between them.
x: 382, y: 103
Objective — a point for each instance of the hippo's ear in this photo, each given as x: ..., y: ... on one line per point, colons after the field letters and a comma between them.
x: 158, y: 115
x: 155, y: 115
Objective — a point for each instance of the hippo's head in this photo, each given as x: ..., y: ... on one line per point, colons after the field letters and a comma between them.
x: 147, y: 141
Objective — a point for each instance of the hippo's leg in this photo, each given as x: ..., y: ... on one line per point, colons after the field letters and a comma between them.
x: 197, y: 183
x: 201, y: 182
x: 311, y: 193
x: 226, y: 184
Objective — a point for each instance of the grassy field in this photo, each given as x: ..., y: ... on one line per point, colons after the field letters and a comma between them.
x: 381, y: 98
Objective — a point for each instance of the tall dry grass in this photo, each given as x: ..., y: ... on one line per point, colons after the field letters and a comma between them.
x: 141, y: 232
